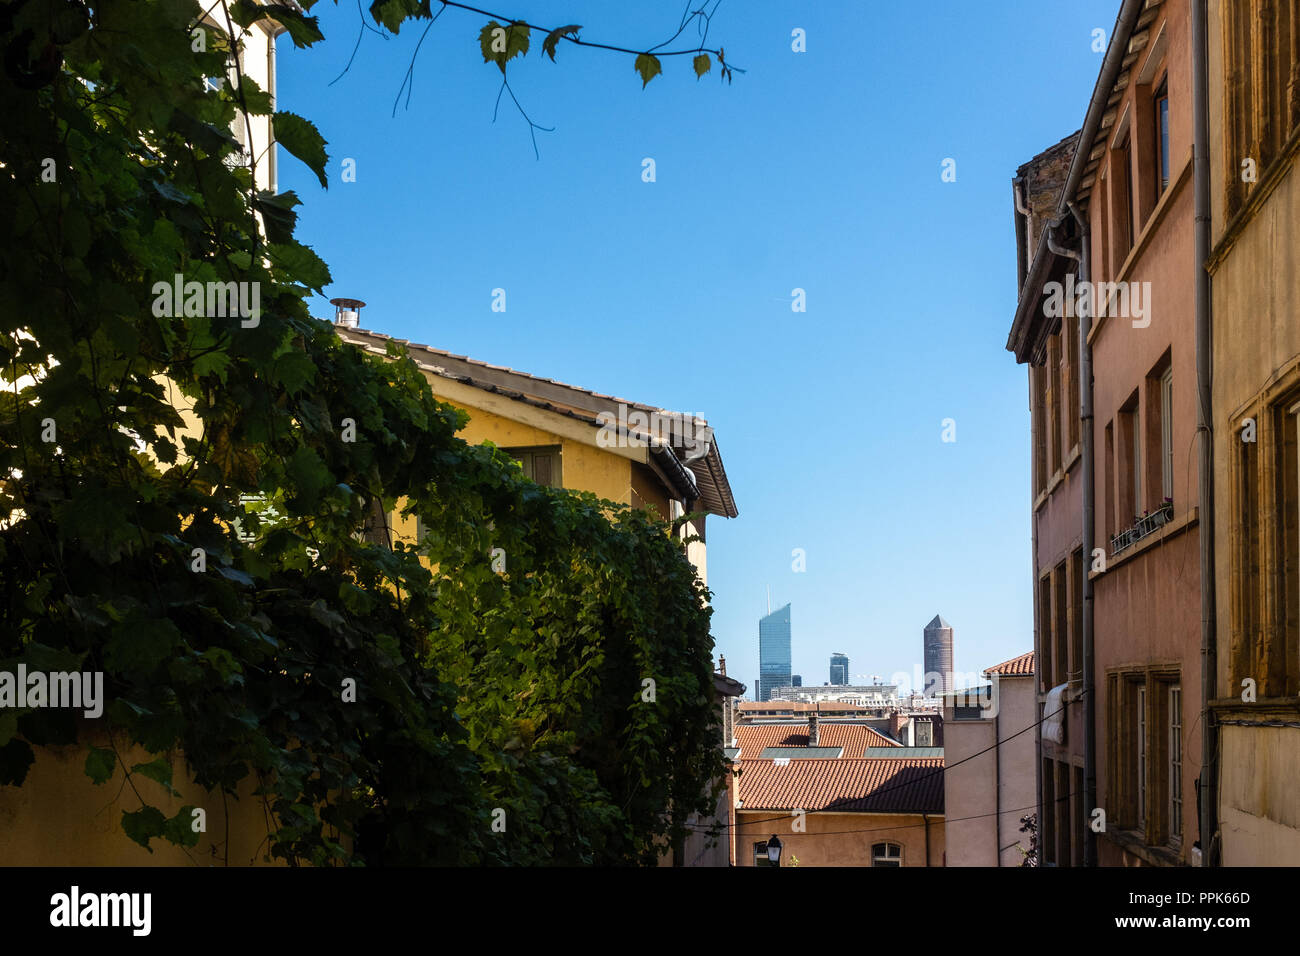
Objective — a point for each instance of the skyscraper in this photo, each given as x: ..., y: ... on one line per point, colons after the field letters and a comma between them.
x: 773, y: 651
x: 839, y: 669
x: 938, y: 657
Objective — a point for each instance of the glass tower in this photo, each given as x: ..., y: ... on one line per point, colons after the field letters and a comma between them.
x: 839, y: 669
x: 773, y: 652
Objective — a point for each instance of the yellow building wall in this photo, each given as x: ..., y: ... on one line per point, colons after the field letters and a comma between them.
x: 1259, y: 813
x: 60, y: 817
x: 583, y: 467
x: 840, y: 839
x: 1256, y: 302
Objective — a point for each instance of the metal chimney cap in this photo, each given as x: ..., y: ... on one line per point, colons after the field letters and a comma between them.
x: 347, y: 312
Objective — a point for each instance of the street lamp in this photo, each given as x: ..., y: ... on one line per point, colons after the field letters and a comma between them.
x: 774, y: 851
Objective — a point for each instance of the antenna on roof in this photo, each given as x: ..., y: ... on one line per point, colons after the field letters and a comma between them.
x: 769, y: 599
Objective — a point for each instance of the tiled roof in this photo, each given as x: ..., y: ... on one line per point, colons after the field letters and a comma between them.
x: 1022, y: 666
x: 876, y: 786
x: 706, y: 473
x: 753, y: 739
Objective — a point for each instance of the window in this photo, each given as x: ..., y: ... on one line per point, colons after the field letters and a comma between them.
x: 1109, y: 510
x: 374, y: 530
x: 886, y: 854
x: 1141, y: 741
x: 1080, y: 815
x: 1158, y: 470
x: 1286, y: 671
x: 1045, y: 652
x: 1054, y: 457
x: 1047, y: 838
x: 1075, y: 674
x: 541, y: 464
x: 1265, y: 543
x: 1060, y: 625
x: 1146, y: 746
x: 1038, y: 410
x: 1137, y: 465
x: 1070, y: 351
x: 1175, y: 763
x: 1121, y: 204
x: 1162, y: 136
x: 1261, y: 100
x: 760, y: 854
x: 1064, y: 832
x: 1128, y: 466
x: 1167, y: 434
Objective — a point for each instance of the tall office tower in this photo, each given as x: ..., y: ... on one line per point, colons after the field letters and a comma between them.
x: 938, y: 657
x: 773, y: 651
x: 839, y: 669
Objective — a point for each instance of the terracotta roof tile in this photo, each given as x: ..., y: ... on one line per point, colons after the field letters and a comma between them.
x: 753, y: 739
x: 864, y: 786
x: 1022, y: 666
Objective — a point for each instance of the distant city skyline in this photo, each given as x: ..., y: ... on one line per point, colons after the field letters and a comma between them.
x: 774, y: 650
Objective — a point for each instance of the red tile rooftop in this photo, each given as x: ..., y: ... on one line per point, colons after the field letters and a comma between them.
x: 1022, y: 666
x: 854, y: 738
x: 876, y: 785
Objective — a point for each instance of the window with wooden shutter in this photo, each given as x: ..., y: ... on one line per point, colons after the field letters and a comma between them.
x: 541, y: 464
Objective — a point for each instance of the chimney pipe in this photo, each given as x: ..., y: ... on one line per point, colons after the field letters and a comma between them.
x: 347, y: 312
x: 812, y: 728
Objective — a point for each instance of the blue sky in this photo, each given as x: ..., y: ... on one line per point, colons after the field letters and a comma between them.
x: 817, y: 170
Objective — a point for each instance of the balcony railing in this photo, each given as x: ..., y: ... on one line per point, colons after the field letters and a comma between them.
x: 1145, y: 525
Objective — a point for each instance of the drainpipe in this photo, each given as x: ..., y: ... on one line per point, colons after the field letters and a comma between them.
x: 1087, y: 542
x: 997, y: 784
x: 1033, y: 545
x: 1022, y: 238
x: 1205, y: 424
x: 927, y: 838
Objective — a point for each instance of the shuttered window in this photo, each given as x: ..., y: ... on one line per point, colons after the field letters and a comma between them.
x: 541, y: 464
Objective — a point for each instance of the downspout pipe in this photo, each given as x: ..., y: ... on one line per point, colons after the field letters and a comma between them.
x: 997, y: 784
x: 1022, y: 229
x: 1208, y: 808
x: 1087, y: 542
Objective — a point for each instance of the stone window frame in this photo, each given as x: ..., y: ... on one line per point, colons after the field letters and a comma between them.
x: 1264, y: 542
